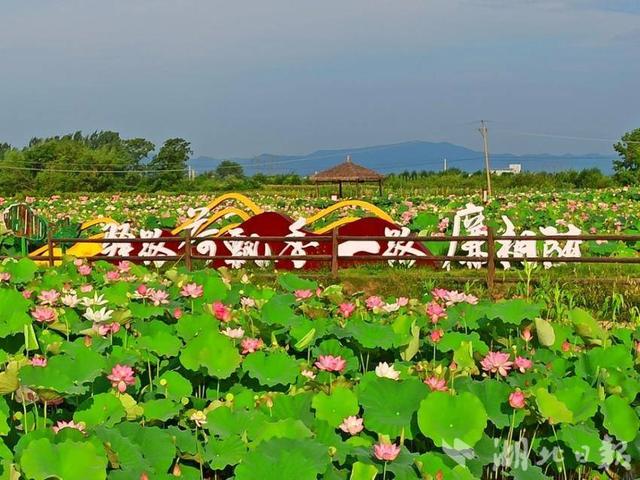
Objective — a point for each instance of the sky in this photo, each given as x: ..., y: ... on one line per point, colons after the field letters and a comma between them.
x: 243, y: 77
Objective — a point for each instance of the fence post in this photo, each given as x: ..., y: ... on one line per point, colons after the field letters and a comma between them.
x: 187, y: 251
x: 491, y: 260
x: 50, y: 247
x: 334, y: 252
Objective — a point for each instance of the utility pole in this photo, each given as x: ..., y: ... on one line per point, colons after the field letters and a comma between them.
x: 485, y: 140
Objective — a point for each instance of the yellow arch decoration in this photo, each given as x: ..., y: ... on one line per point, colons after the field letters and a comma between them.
x: 350, y: 203
x: 222, y: 213
x: 238, y: 197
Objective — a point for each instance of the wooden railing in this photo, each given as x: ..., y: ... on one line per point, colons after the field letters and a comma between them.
x: 333, y: 259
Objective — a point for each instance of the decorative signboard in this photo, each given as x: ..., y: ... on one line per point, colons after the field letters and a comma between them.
x: 213, y: 229
x: 470, y: 221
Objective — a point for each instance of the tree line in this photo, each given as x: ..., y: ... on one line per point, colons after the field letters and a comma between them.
x: 104, y: 161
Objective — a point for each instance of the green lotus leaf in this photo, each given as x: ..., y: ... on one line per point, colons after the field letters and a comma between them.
x: 161, y: 409
x: 578, y: 396
x: 214, y: 352
x: 173, y: 385
x: 554, y: 410
x: 159, y: 338
x: 22, y: 271
x: 287, y: 428
x: 454, y: 421
x: 69, y: 372
x: 620, y: 419
x: 514, y: 311
x: 291, y: 282
x: 42, y: 460
x: 544, y: 331
x: 585, y: 325
x: 592, y: 363
x: 584, y: 441
x: 390, y: 405
x: 191, y: 325
x: 222, y: 453
x: 271, y: 368
x: 337, y: 406
x: 116, y: 294
x: 452, y: 340
x: 372, y: 334
x: 284, y: 458
x: 144, y: 311
x: 13, y: 312
x: 101, y: 409
x: 494, y: 395
x: 363, y: 471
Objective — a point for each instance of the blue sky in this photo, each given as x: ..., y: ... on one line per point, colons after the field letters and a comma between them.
x: 238, y: 78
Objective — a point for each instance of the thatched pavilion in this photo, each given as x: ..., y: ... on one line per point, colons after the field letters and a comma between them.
x: 348, y: 172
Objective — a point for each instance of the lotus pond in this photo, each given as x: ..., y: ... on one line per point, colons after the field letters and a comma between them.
x: 122, y: 372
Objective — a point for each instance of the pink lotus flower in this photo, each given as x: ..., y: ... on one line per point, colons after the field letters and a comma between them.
x: 44, y: 314
x: 436, y: 384
x: 374, y: 302
x: 351, y: 425
x: 566, y: 346
x: 497, y: 362
x: 523, y: 364
x: 221, y: 312
x: 158, y: 297
x: 402, y: 301
x: 250, y: 345
x: 386, y: 451
x: 346, y: 309
x: 308, y: 374
x: 27, y: 294
x: 439, y: 293
x: 526, y: 334
x: 247, y: 302
x: 5, y: 276
x: 329, y: 363
x: 177, y: 313
x: 303, y: 294
x: 234, y: 333
x: 124, y: 266
x: 113, y: 276
x: 142, y: 290
x: 105, y: 329
x: 517, y: 400
x: 86, y: 288
x: 436, y: 335
x: 121, y: 376
x: 48, y: 297
x: 435, y: 311
x: 192, y: 290
x: 38, y: 361
x: 80, y: 426
x: 84, y: 269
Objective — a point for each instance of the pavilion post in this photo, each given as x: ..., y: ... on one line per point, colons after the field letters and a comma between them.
x: 340, y: 189
x: 380, y: 187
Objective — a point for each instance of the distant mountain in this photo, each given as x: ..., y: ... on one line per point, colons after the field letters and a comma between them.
x: 398, y: 157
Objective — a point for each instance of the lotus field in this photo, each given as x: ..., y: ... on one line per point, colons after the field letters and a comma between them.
x: 121, y: 372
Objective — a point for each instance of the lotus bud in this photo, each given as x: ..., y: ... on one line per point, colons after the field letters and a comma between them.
x: 332, y: 451
x: 177, y: 471
x: 163, y: 382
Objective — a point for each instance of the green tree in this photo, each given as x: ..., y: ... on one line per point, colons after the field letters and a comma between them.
x: 15, y: 175
x: 170, y: 164
x: 229, y: 168
x: 627, y: 168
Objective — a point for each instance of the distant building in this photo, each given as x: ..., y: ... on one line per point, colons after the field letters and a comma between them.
x: 514, y: 168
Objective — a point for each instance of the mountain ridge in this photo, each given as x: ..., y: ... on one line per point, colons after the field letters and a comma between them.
x: 407, y: 156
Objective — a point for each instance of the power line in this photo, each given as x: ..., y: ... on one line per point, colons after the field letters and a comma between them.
x: 565, y: 137
x: 33, y: 169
